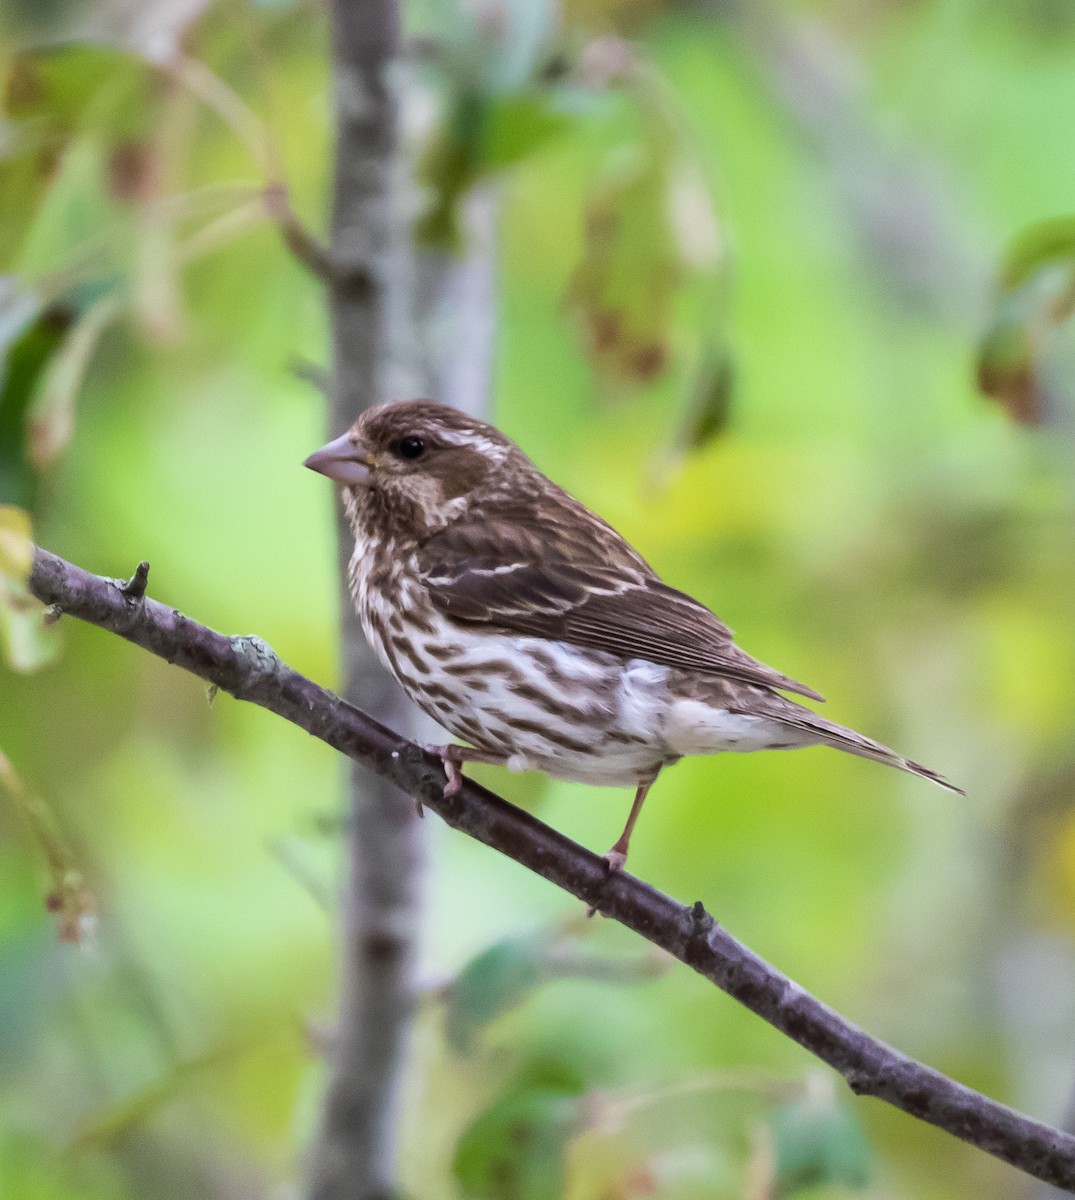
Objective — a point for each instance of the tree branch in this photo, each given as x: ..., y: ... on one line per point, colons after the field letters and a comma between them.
x: 312, y: 253
x: 249, y: 670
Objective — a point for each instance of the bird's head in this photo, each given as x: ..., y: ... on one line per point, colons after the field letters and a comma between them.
x: 421, y: 463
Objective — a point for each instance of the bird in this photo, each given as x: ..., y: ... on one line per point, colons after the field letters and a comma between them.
x: 526, y: 626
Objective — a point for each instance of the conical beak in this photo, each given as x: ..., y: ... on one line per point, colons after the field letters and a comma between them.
x: 344, y: 460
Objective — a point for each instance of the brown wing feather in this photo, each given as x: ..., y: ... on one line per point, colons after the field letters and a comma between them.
x: 520, y: 577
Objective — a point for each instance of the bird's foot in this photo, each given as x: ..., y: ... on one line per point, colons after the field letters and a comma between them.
x: 453, y: 757
x: 616, y: 859
x: 455, y: 778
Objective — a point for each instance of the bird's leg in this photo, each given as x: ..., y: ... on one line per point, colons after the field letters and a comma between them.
x: 617, y: 856
x: 453, y: 758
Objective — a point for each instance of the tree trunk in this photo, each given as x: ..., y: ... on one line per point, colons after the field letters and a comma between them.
x: 355, y: 1157
x: 377, y: 288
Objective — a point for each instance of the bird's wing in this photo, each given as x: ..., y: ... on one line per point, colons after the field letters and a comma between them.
x: 517, y: 578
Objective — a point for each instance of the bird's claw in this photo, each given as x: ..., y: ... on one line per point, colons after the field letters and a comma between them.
x: 452, y: 773
x: 615, y: 859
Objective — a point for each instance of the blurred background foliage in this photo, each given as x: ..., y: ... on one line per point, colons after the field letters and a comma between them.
x: 785, y: 291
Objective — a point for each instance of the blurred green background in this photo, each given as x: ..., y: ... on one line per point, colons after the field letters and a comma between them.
x: 754, y: 269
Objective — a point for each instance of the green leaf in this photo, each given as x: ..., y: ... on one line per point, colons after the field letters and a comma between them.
x: 491, y: 984
x: 28, y: 1168
x: 24, y: 181
x: 818, y: 1142
x: 515, y: 1149
x: 481, y: 134
x: 51, y: 415
x: 1043, y: 244
x: 450, y: 165
x: 82, y: 89
x: 30, y: 347
x: 43, y: 359
x: 711, y: 405
x: 52, y: 98
x: 518, y: 125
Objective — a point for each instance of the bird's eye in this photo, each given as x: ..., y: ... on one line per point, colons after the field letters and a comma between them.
x: 411, y: 447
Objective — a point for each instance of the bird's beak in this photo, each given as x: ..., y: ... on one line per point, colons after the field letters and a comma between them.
x: 344, y: 460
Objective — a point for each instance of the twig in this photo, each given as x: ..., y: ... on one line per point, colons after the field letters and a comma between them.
x: 312, y: 373
x: 213, y: 92
x: 249, y: 670
x: 311, y: 252
x: 254, y: 134
x: 135, y: 587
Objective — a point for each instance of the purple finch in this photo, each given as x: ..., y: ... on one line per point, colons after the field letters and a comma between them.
x: 526, y: 626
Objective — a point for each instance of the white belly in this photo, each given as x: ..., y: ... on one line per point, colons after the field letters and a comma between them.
x: 693, y: 727
x: 570, y: 713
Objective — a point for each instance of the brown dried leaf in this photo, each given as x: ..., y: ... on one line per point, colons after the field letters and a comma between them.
x: 1036, y: 297
x: 623, y: 289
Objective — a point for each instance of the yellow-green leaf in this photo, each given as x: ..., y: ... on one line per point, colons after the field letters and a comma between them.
x: 1042, y: 244
x: 16, y: 543
x: 26, y: 641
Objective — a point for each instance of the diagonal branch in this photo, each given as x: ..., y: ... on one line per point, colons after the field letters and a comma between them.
x: 248, y: 669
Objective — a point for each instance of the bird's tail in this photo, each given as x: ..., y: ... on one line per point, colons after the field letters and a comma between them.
x: 818, y: 729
